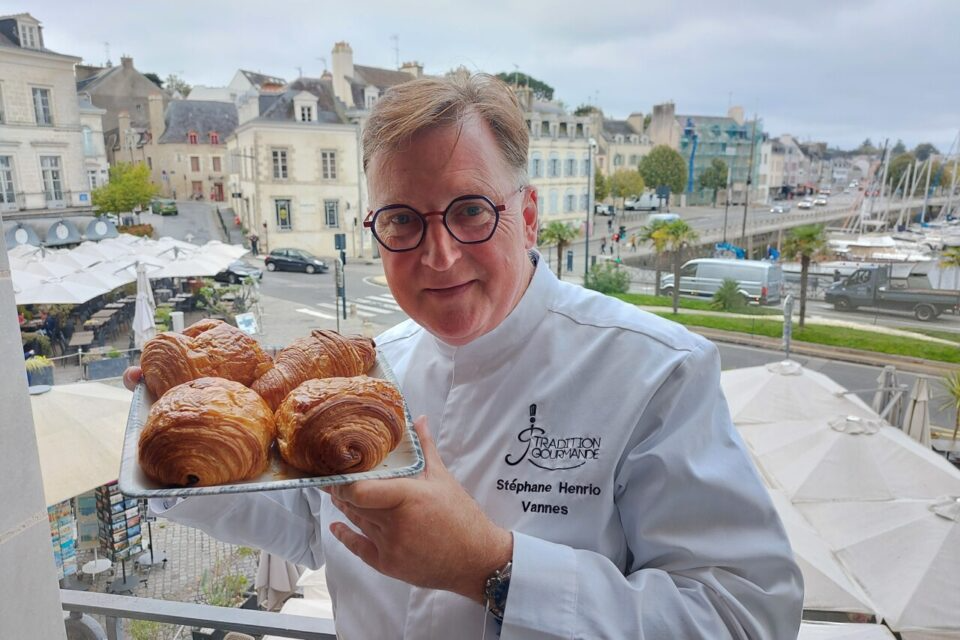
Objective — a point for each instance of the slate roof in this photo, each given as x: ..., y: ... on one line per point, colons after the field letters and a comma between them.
x: 201, y: 116
x: 612, y: 128
x: 259, y: 79
x: 539, y: 106
x: 279, y: 106
x: 10, y: 37
x: 380, y: 78
x: 96, y: 78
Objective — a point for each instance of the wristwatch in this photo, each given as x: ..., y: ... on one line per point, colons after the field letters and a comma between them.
x: 495, y: 590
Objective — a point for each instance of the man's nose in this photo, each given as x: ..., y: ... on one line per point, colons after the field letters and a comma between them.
x: 440, y: 249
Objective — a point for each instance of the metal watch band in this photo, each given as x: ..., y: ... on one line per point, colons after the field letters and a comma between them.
x: 495, y: 590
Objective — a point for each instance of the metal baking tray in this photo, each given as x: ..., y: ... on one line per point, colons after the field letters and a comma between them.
x: 405, y: 460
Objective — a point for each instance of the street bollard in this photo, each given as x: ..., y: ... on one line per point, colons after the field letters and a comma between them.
x: 569, y: 261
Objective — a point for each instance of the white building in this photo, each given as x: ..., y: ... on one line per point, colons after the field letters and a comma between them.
x: 51, y: 147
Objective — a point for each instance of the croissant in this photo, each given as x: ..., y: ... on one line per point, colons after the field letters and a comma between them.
x: 340, y: 425
x: 206, y: 432
x: 322, y: 354
x: 206, y: 348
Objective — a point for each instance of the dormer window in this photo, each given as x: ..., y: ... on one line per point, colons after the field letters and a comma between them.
x: 29, y: 38
x: 214, y: 137
x: 306, y: 113
x: 193, y: 138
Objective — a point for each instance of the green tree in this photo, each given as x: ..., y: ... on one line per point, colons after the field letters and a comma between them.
x: 866, y: 147
x: 679, y: 235
x: 714, y: 177
x: 924, y: 150
x: 664, y: 166
x: 805, y: 242
x: 154, y: 78
x: 128, y: 187
x: 728, y: 296
x: 897, y: 168
x: 601, y: 186
x: 951, y: 384
x: 652, y: 233
x: 560, y: 234
x: 541, y: 90
x: 626, y: 182
x: 898, y: 148
x: 176, y: 83
x: 586, y: 110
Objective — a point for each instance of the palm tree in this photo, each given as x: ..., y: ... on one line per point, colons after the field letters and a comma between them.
x: 951, y: 384
x: 653, y: 234
x: 679, y: 235
x: 560, y: 234
x: 804, y: 242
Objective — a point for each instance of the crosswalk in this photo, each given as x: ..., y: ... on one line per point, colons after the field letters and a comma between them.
x: 366, y: 307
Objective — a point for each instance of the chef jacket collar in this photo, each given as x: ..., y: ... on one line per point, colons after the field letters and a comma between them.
x: 515, y: 329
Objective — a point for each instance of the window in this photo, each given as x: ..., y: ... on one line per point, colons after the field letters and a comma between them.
x: 150, y: 162
x: 585, y: 170
x: 92, y: 178
x: 196, y: 186
x: 544, y: 128
x: 193, y: 138
x: 28, y: 37
x: 580, y: 131
x: 554, y: 200
x: 217, y: 166
x: 618, y: 160
x: 328, y: 165
x: 195, y: 164
x: 563, y: 129
x: 569, y: 201
x: 280, y: 164
x: 214, y: 137
x: 88, y: 148
x: 7, y: 191
x: 634, y: 160
x: 2, y: 116
x: 584, y: 197
x: 41, y: 106
x: 571, y: 167
x: 536, y: 165
x: 553, y: 170
x: 331, y: 212
x: 284, y: 217
x: 306, y: 113
x: 52, y: 179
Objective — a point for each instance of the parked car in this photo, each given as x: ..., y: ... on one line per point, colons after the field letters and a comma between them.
x: 237, y: 271
x: 645, y: 202
x: 805, y: 204
x: 164, y: 207
x: 294, y: 260
x: 820, y: 201
x: 780, y: 207
x: 604, y: 209
x: 869, y: 286
x: 757, y: 280
x: 661, y: 217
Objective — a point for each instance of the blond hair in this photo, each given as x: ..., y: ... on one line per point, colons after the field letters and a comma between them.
x: 409, y: 108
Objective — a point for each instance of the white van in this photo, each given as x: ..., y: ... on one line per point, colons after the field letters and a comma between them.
x: 759, y: 281
x: 646, y: 202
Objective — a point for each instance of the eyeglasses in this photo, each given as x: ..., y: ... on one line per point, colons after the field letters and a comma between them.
x: 470, y: 219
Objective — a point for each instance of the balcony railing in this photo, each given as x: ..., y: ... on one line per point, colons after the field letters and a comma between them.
x: 116, y: 608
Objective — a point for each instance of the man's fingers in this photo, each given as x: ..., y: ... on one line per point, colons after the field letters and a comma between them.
x: 430, y: 454
x: 358, y: 545
x: 357, y: 517
x: 373, y: 494
x: 131, y: 377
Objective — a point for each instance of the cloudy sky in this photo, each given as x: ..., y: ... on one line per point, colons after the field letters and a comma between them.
x: 834, y: 70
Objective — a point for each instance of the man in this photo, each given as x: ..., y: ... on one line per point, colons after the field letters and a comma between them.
x: 582, y: 479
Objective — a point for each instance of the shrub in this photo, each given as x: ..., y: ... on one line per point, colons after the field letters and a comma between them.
x: 607, y: 277
x: 37, y: 362
x: 142, y: 230
x: 728, y: 297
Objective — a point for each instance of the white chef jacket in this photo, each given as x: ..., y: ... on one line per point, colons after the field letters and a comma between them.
x: 599, y: 435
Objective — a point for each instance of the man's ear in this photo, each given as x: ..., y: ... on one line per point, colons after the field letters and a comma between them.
x: 531, y: 214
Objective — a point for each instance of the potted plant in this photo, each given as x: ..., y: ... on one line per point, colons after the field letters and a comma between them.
x: 221, y: 590
x: 108, y: 365
x: 39, y: 371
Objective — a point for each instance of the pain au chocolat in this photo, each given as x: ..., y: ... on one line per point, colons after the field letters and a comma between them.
x: 206, y: 432
x: 206, y: 348
x: 322, y: 354
x: 340, y: 425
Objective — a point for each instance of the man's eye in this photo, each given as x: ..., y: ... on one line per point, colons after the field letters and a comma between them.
x: 472, y: 210
x: 399, y: 219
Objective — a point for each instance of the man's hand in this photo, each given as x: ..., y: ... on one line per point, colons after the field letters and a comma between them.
x: 426, y: 531
x: 131, y: 377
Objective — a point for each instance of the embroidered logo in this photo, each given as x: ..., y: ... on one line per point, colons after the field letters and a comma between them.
x: 553, y: 454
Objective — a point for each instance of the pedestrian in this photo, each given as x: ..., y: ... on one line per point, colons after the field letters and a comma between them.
x: 254, y: 243
x: 633, y: 243
x: 609, y: 224
x: 836, y: 275
x: 603, y: 245
x: 543, y: 510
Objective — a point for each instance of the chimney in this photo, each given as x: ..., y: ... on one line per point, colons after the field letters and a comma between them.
x: 662, y: 124
x: 414, y: 68
x: 736, y: 113
x: 525, y: 97
x: 156, y: 117
x: 343, y: 73
x: 635, y: 120
x: 127, y: 62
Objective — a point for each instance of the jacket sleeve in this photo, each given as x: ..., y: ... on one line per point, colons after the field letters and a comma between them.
x: 286, y: 523
x: 708, y: 556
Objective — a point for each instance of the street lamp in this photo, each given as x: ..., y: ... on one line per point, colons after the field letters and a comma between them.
x: 690, y: 131
x: 592, y: 144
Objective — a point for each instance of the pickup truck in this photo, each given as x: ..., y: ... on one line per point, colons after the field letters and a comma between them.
x: 870, y: 286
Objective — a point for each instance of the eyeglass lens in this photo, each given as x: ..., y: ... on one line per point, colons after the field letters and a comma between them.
x: 469, y: 220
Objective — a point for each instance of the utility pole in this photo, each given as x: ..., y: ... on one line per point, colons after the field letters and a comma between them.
x: 396, y: 49
x: 726, y: 204
x: 746, y: 195
x: 590, y: 206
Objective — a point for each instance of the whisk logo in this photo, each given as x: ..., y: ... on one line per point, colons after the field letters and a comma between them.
x: 550, y: 453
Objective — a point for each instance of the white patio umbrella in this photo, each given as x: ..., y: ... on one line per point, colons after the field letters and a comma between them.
x: 826, y: 585
x: 58, y: 291
x: 80, y: 436
x: 103, y: 250
x: 916, y: 419
x: 843, y: 631
x: 178, y: 263
x: 23, y: 280
x: 144, y: 326
x: 232, y: 251
x: 276, y: 580
x: 45, y: 268
x: 904, y: 553
x: 814, y: 460
x: 786, y: 391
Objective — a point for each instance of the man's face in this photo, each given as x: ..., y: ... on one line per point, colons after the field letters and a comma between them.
x: 456, y: 291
